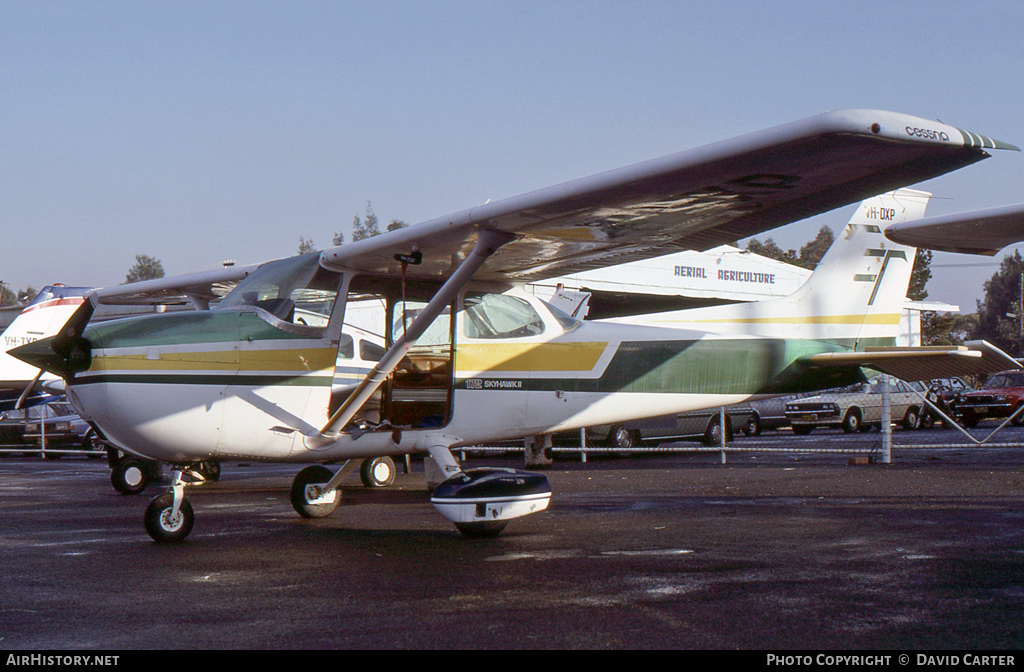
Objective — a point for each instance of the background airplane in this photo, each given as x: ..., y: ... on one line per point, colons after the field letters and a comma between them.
x: 978, y: 232
x: 41, y: 318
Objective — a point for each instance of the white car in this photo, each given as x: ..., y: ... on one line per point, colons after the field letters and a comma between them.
x: 857, y: 407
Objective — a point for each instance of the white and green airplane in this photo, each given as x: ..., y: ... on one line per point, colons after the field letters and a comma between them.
x: 472, y: 359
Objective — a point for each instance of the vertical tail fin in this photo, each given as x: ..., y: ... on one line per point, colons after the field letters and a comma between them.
x: 855, y: 295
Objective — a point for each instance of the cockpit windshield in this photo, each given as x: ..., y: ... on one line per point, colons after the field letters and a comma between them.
x: 295, y: 290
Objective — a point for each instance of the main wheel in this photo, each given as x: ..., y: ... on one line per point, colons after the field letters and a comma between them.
x: 129, y: 476
x: 303, y: 497
x: 482, y: 530
x: 164, y: 527
x: 377, y: 472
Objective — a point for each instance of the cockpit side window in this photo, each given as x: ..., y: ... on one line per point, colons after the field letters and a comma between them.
x: 296, y: 290
x: 495, y: 316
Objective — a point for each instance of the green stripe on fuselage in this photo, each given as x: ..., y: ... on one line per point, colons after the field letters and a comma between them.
x: 715, y: 366
x: 708, y: 366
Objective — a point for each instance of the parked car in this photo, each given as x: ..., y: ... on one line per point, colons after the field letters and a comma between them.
x: 769, y: 413
x: 64, y: 429
x: 12, y: 427
x: 703, y: 425
x: 856, y: 407
x: 1000, y: 396
x: 943, y: 392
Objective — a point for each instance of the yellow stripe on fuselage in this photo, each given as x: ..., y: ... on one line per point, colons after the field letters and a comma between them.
x: 528, y: 356
x: 310, y: 359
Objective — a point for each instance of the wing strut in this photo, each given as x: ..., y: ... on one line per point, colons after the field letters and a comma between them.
x: 487, y: 243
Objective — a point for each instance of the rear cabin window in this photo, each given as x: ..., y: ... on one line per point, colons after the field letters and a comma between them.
x: 495, y: 316
x: 370, y: 352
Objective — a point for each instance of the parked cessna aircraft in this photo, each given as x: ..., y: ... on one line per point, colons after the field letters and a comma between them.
x: 979, y: 232
x: 470, y: 358
x: 41, y: 318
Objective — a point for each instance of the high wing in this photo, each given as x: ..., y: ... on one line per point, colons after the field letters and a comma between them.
x: 199, y: 288
x: 695, y: 199
x: 922, y: 363
x: 979, y: 232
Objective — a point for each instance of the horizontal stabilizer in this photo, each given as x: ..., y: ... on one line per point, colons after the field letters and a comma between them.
x: 923, y: 363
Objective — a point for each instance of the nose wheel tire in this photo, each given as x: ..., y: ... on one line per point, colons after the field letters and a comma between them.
x: 165, y: 526
x: 306, y: 498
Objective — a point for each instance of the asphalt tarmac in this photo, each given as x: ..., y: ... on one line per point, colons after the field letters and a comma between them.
x: 767, y: 552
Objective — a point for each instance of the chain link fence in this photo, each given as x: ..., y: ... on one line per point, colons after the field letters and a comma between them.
x: 870, y: 419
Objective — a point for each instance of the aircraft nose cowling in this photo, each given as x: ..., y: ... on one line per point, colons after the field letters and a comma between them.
x: 61, y: 355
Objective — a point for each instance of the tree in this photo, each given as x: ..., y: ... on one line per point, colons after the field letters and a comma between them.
x: 366, y: 228
x: 947, y: 328
x: 810, y: 254
x: 27, y: 294
x: 936, y: 328
x: 306, y: 245
x: 920, y: 275
x: 771, y: 250
x: 145, y: 268
x: 999, y: 314
x: 7, y: 297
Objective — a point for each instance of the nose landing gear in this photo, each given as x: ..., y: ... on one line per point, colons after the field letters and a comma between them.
x: 169, y: 516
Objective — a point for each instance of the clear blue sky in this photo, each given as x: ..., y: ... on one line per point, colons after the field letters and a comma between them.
x: 201, y: 131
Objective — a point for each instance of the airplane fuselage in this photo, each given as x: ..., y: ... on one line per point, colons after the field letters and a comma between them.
x: 185, y: 387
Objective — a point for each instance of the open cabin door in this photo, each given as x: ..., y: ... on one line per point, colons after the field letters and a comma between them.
x: 418, y: 393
